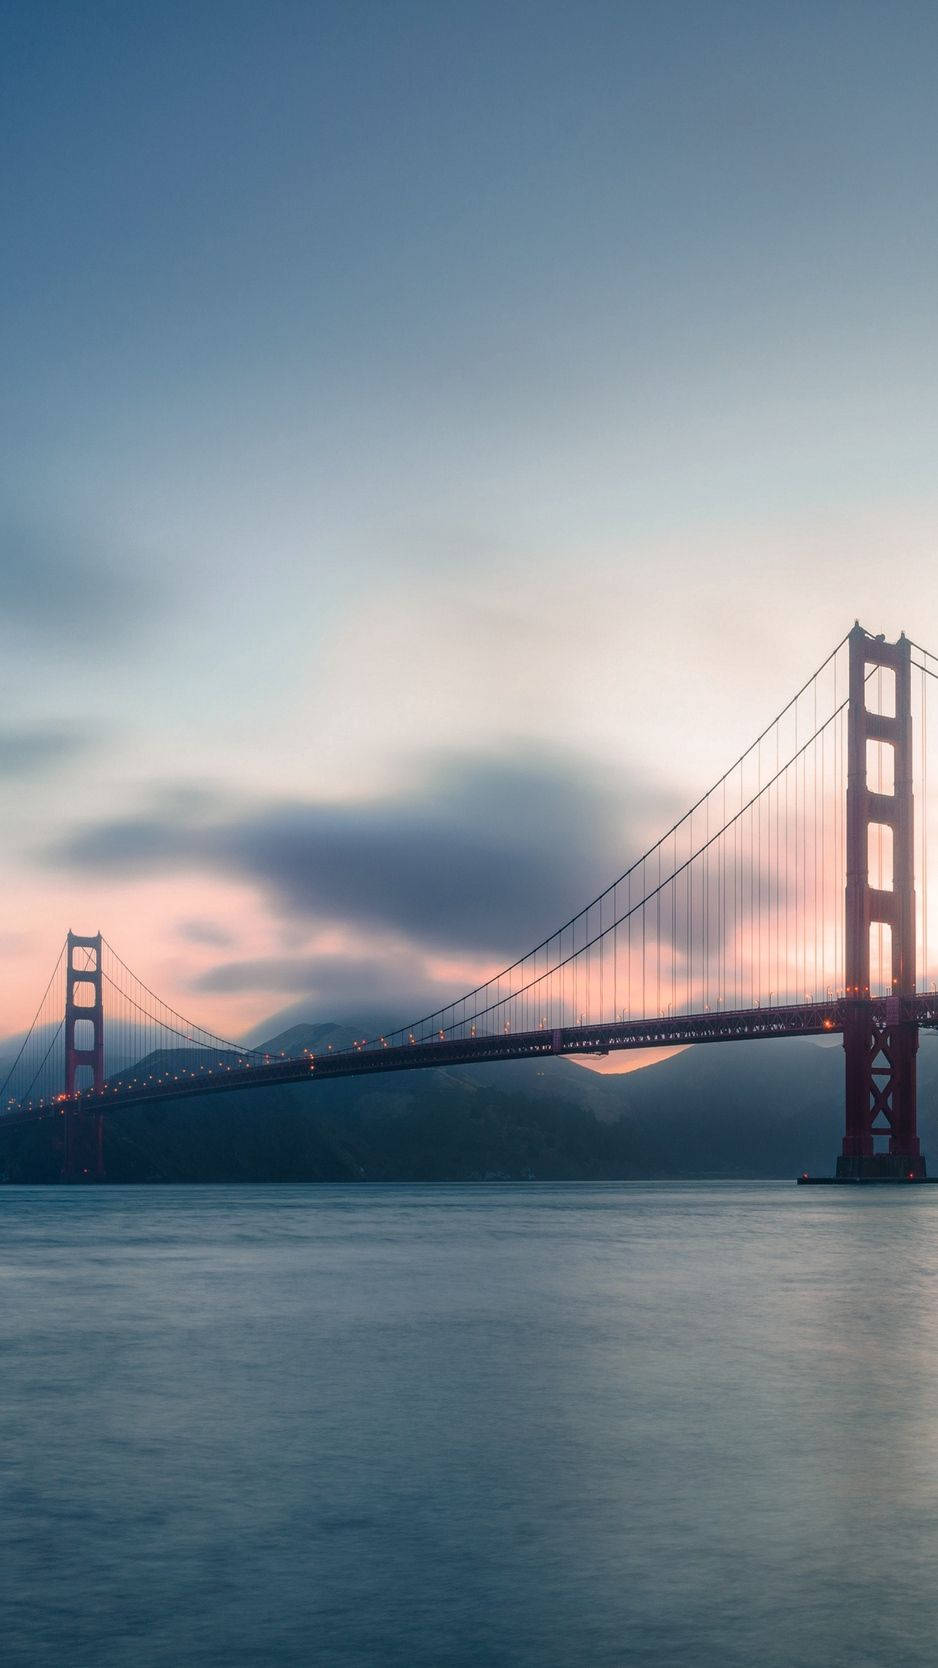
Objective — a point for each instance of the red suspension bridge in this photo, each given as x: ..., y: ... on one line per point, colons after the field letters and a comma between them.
x: 783, y: 903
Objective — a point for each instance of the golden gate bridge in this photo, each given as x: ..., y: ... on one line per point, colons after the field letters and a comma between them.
x: 782, y: 903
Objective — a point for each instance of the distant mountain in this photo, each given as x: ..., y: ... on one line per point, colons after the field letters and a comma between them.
x: 313, y: 1039
x: 732, y: 1109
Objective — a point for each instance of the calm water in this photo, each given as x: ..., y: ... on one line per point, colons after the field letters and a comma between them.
x: 537, y: 1426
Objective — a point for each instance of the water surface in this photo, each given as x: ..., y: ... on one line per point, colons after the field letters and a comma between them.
x: 532, y: 1426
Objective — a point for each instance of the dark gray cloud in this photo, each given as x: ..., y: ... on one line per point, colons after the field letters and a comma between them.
x: 36, y: 751
x: 384, y: 991
x: 60, y: 582
x: 208, y: 933
x: 486, y: 854
x: 481, y: 859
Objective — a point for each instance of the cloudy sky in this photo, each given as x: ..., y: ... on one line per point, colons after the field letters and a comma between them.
x: 437, y: 437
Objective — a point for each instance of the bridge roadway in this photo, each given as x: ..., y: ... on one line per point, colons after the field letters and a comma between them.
x: 665, y: 1031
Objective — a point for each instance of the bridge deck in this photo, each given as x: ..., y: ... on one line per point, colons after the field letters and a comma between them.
x: 664, y: 1031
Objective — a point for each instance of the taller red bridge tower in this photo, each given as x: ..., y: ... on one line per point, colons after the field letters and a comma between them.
x: 880, y: 1046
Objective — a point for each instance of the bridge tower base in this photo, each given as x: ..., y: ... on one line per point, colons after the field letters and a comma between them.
x: 83, y: 1159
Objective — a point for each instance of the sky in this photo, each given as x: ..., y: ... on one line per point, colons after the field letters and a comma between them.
x: 437, y: 438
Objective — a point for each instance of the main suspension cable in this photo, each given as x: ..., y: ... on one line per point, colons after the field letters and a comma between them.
x: 640, y: 904
x: 35, y: 1020
x: 639, y: 863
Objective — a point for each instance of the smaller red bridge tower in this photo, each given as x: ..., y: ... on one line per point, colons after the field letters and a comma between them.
x: 84, y: 1008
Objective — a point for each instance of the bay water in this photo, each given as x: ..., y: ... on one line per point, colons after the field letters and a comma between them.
x: 532, y: 1426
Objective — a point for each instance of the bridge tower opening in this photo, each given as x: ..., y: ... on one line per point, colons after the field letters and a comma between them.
x: 84, y: 1053
x: 880, y: 1046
